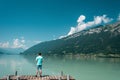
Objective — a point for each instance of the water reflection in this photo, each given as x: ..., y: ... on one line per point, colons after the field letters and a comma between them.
x: 95, y: 59
x: 79, y: 67
x: 11, y: 63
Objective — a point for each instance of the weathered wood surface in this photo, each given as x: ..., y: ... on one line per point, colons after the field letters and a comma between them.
x: 32, y: 77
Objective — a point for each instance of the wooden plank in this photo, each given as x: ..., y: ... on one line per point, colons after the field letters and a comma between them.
x: 32, y: 77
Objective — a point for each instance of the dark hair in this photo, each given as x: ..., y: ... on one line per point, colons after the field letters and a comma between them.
x: 39, y: 53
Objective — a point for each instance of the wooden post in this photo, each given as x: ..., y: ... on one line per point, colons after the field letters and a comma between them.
x: 68, y: 77
x: 15, y: 73
x: 8, y: 77
x: 59, y: 78
x: 61, y: 73
x: 18, y: 78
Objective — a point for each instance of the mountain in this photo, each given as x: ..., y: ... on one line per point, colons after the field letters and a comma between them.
x: 11, y: 50
x: 1, y: 51
x: 100, y: 39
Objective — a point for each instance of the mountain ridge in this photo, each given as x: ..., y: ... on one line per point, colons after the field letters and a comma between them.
x: 100, y: 39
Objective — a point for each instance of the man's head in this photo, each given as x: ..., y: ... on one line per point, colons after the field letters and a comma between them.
x: 39, y: 54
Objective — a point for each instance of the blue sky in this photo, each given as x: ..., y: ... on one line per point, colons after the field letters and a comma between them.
x: 24, y: 23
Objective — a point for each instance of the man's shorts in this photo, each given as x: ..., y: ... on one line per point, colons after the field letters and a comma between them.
x: 39, y: 67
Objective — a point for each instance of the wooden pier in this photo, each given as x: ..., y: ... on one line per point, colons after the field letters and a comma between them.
x: 32, y: 77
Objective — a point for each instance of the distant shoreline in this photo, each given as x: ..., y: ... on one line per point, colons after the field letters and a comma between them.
x: 83, y: 55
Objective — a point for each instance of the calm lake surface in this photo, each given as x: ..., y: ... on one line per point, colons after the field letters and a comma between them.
x: 79, y: 68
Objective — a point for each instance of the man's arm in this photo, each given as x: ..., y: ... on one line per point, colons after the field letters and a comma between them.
x: 36, y: 59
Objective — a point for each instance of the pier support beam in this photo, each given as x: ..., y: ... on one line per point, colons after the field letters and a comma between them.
x: 18, y: 78
x: 8, y: 77
x: 68, y: 77
x: 61, y: 73
x: 60, y: 78
x: 15, y: 73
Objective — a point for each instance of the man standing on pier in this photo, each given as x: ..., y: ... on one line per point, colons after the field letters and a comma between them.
x: 39, y: 60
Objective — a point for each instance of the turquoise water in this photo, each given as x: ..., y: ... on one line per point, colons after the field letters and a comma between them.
x: 79, y: 68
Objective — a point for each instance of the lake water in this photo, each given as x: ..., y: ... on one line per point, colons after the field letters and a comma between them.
x: 79, y: 68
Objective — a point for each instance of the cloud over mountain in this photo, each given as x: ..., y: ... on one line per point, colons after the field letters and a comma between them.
x: 84, y: 25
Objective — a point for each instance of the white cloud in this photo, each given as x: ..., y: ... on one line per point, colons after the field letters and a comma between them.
x: 62, y: 36
x: 82, y: 25
x: 81, y: 19
x: 72, y: 30
x: 36, y: 42
x: 118, y: 17
x: 23, y: 41
x: 4, y: 45
x: 106, y: 19
x: 97, y: 20
x: 19, y: 43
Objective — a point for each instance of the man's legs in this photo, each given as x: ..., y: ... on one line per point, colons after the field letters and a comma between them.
x: 37, y: 72
x: 40, y: 72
